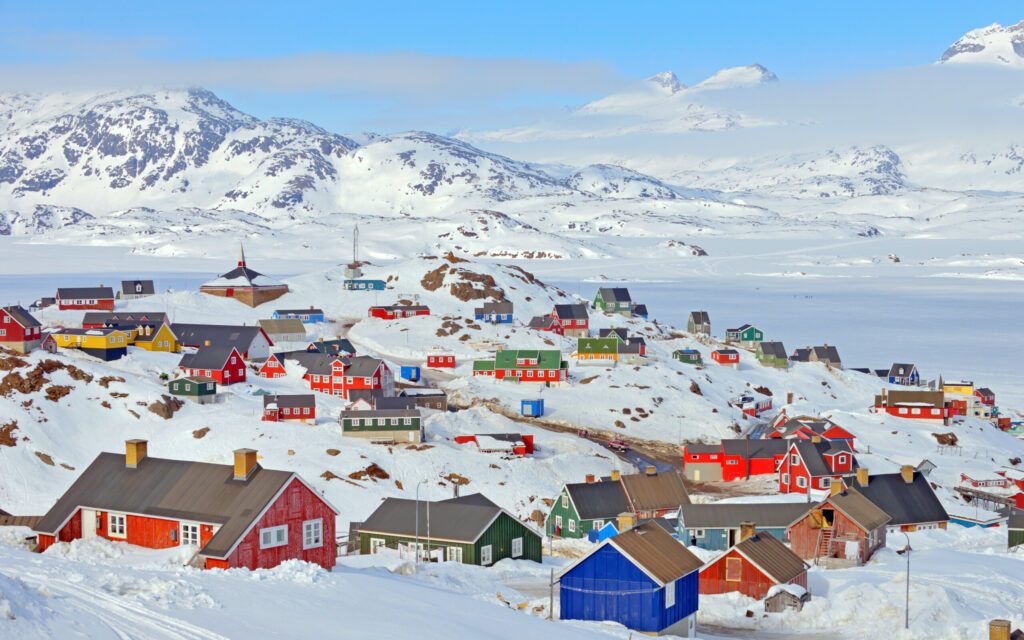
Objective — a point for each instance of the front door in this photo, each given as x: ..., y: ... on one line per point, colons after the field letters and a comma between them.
x: 732, y: 538
x: 828, y: 517
x: 88, y: 523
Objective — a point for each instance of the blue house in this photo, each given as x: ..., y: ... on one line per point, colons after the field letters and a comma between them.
x: 494, y: 312
x: 716, y: 526
x: 364, y: 285
x: 642, y: 578
x: 310, y: 315
x: 609, y: 530
x: 904, y: 374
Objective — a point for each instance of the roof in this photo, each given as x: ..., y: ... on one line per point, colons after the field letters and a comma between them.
x: 382, y: 413
x: 195, y: 380
x: 827, y: 353
x: 242, y: 276
x: 196, y: 335
x: 598, y: 500
x: 757, y: 448
x: 906, y: 502
x: 716, y: 515
x: 313, y: 362
x: 1016, y: 520
x: 901, y: 369
x: 656, y: 552
x: 300, y: 312
x: 177, y: 489
x: 812, y: 453
x: 503, y: 306
x: 687, y: 351
x: 362, y: 366
x: 640, y: 309
x: 541, y: 322
x: 597, y: 345
x: 700, y: 447
x: 700, y: 317
x: 207, y: 358
x: 7, y: 520
x: 284, y: 326
x: 615, y: 331
x: 101, y: 331
x: 898, y: 397
x: 124, y: 318
x: 740, y: 329
x: 772, y: 557
x: 614, y: 294
x: 145, y: 287
x: 462, y: 519
x: 20, y: 315
x: 291, y: 400
x: 725, y: 351
x: 772, y: 349
x: 336, y: 346
x: 78, y: 293
x: 803, y: 355
x: 571, y: 311
x: 659, y: 491
x: 984, y: 391
x: 859, y: 509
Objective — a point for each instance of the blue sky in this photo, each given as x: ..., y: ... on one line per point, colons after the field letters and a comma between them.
x: 397, y: 65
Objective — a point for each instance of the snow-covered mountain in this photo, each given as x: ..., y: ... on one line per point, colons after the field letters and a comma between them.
x: 736, y: 77
x: 994, y: 44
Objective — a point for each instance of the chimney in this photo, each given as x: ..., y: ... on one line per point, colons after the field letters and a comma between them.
x: 206, y: 343
x: 616, y: 475
x: 590, y: 478
x: 836, y: 487
x: 999, y: 630
x: 747, y: 530
x: 789, y: 398
x: 651, y: 470
x: 862, y: 476
x: 626, y: 522
x: 134, y: 452
x: 815, y: 438
x: 245, y: 463
x: 907, y: 472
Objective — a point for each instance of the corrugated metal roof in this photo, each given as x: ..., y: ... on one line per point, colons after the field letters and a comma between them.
x: 1016, y: 520
x: 773, y: 557
x: 7, y: 520
x: 905, y: 502
x: 462, y: 519
x: 145, y: 287
x: 21, y: 316
x: 83, y: 293
x: 494, y: 307
x: 196, y: 335
x: 283, y: 326
x: 700, y: 317
x: 656, y: 551
x: 290, y: 401
x: 859, y: 509
x: 215, y: 357
x: 362, y: 366
x: 571, y: 311
x: 337, y: 346
x: 773, y: 349
x: 614, y: 294
x: 759, y: 448
x: 660, y: 491
x: 598, y: 500
x: 176, y: 489
x: 901, y: 370
x: 300, y: 312
x: 729, y: 516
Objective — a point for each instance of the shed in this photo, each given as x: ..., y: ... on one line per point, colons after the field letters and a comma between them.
x: 786, y: 596
x: 410, y: 373
x: 284, y: 330
x: 688, y: 356
x: 532, y: 408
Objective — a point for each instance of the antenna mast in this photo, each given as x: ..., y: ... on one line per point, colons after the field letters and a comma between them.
x: 355, y: 245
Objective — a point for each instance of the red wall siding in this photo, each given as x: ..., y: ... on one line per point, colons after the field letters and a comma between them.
x: 153, y: 533
x: 103, y: 305
x: 752, y: 582
x: 16, y: 333
x: 45, y: 542
x: 295, y: 505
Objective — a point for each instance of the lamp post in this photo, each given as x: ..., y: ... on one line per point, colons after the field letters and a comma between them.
x: 417, y: 549
x: 906, y: 551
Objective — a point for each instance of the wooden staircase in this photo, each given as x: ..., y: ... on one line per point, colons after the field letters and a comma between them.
x: 824, y: 544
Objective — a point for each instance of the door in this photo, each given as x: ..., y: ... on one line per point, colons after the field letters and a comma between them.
x: 828, y: 516
x: 732, y: 538
x: 88, y: 523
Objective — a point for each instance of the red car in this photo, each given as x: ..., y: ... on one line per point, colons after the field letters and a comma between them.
x: 618, y: 445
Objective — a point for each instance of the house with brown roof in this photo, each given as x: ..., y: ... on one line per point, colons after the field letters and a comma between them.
x: 845, y: 528
x: 758, y: 562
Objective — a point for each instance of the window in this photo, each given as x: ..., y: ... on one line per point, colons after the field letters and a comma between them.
x: 376, y: 544
x: 785, y: 478
x: 801, y: 482
x: 3, y: 332
x: 313, y: 534
x: 271, y: 537
x: 794, y: 459
x: 234, y: 360
x: 348, y: 380
x: 826, y: 483
x: 572, y: 526
x: 558, y: 522
x: 366, y: 380
x: 455, y: 554
x: 915, y: 411
x: 903, y: 410
x: 407, y: 421
x: 565, y: 502
x: 670, y: 594
x: 733, y: 569
x: 841, y: 459
x: 517, y: 547
x: 7, y: 319
x: 305, y: 411
x: 117, y: 525
x: 731, y: 462
x: 485, y: 555
x: 698, y: 533
x: 190, y: 534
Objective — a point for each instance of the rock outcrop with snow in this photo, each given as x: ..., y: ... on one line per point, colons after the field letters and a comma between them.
x: 994, y: 44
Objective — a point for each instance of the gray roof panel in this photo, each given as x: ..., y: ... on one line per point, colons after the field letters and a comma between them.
x: 462, y: 520
x: 906, y: 502
x: 729, y: 516
x: 598, y: 500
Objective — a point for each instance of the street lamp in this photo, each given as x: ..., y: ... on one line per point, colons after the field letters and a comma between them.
x: 418, y: 520
x: 906, y: 551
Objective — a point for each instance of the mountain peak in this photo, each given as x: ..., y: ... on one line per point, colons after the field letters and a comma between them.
x: 667, y: 81
x: 994, y: 44
x: 734, y: 77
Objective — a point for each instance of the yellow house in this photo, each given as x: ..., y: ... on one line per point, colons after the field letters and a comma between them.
x: 958, y: 388
x: 157, y: 339
x: 105, y: 344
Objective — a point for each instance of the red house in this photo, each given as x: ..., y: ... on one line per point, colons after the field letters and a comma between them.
x: 753, y: 566
x: 726, y: 357
x: 441, y: 361
x: 333, y: 375
x: 573, y: 320
x: 734, y: 459
x: 239, y: 515
x: 846, y: 526
x: 516, y: 444
x: 394, y: 312
x: 100, y: 297
x: 807, y: 428
x: 985, y: 396
x: 223, y: 364
x: 1000, y: 482
x: 290, y: 408
x: 753, y: 404
x: 814, y: 465
x: 19, y: 330
x: 927, y: 406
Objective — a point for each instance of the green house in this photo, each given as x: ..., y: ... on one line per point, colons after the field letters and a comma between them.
x: 1015, y: 528
x: 772, y: 354
x: 614, y: 300
x: 469, y: 529
x: 688, y: 356
x: 598, y: 348
x: 383, y: 425
x: 746, y: 335
x: 524, y: 365
x: 195, y: 388
x: 583, y: 506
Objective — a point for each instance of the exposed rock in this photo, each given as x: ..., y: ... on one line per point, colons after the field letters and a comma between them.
x: 373, y: 471
x: 106, y: 380
x: 7, y: 438
x: 44, y: 457
x: 166, y: 407
x: 333, y: 452
x: 456, y: 479
x: 57, y: 391
x: 200, y: 433
x: 695, y: 388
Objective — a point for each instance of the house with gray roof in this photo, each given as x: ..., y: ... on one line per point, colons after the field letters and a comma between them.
x: 699, y: 323
x: 135, y: 289
x: 284, y: 330
x: 827, y: 354
x: 251, y: 341
x: 907, y: 497
x: 19, y: 330
x: 758, y: 562
x: 100, y: 297
x: 222, y: 363
x: 772, y: 354
x: 400, y: 425
x: 717, y: 526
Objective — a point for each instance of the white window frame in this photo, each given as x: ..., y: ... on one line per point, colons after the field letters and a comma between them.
x: 785, y: 479
x: 558, y: 522
x: 454, y: 554
x: 313, y: 534
x: 271, y: 537
x: 794, y: 459
x: 187, y: 531
x: 598, y: 525
x: 117, y: 525
x: 670, y: 594
x: 376, y: 544
x: 826, y: 483
x: 565, y: 502
x: 698, y: 533
x: 517, y: 547
x: 841, y: 459
x: 801, y: 482
x: 572, y: 526
x: 486, y: 555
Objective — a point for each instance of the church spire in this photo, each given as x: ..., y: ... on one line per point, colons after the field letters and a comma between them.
x: 241, y: 255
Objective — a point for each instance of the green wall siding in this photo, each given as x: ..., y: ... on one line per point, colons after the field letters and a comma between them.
x: 567, y: 513
x: 500, y: 534
x: 379, y: 424
x: 391, y: 542
x: 1016, y: 537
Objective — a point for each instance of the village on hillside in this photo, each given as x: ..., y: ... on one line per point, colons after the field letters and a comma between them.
x: 632, y: 472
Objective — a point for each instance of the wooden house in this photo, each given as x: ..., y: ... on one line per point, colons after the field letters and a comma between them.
x: 772, y: 354
x: 333, y: 375
x: 284, y: 330
x: 598, y: 350
x: 985, y: 396
x: 1015, y: 529
x: 752, y: 404
x: 642, y: 579
x: 904, y: 374
x: 845, y: 526
x: 545, y: 323
x: 156, y: 337
x: 135, y: 289
x: 718, y: 526
x: 19, y: 330
x: 440, y: 361
x: 196, y: 389
x: 290, y: 408
x: 363, y: 284
x: 726, y: 357
x: 573, y: 319
x: 926, y: 406
x: 613, y: 300
x: 826, y: 354
x: 383, y: 426
x: 100, y: 297
x: 239, y: 515
x: 222, y: 364
x: 745, y: 335
x: 814, y: 465
x: 249, y: 287
x: 252, y: 342
x: 807, y: 427
x: 312, y: 315
x: 105, y: 344
x: 758, y: 562
x: 398, y: 311
x: 122, y: 319
x: 334, y: 347
x: 699, y: 323
x: 733, y: 459
x: 469, y: 529
x: 521, y: 365
x: 427, y: 398
x: 907, y: 497
x: 688, y: 356
x: 494, y: 312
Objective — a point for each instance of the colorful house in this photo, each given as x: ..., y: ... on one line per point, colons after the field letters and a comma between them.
x: 252, y: 342
x: 287, y: 330
x: 135, y: 289
x: 440, y: 361
x: 807, y: 427
x: 717, y: 526
x: 598, y: 349
x: 814, y: 465
x: 290, y: 408
x: 545, y: 323
x: 573, y: 319
x: 826, y: 354
x: 383, y: 426
x: 494, y: 312
x: 156, y: 337
x: 105, y: 344
x: 19, y: 330
x: 335, y: 347
x: 699, y: 323
x: 614, y: 300
x: 239, y: 515
x: 758, y: 562
x: 926, y: 406
x: 846, y: 526
x: 772, y: 354
x: 688, y: 356
x: 222, y: 364
x: 523, y: 365
x: 753, y: 404
x: 1015, y: 530
x: 197, y: 389
x: 641, y: 578
x: 907, y: 497
x: 333, y: 375
x: 726, y: 357
x: 85, y: 298
x: 122, y: 319
x: 398, y: 311
x: 249, y: 287
x: 904, y: 374
x: 745, y: 335
x: 733, y: 459
x: 469, y: 529
x: 311, y: 315
x: 504, y: 444
x: 362, y: 284
x: 986, y: 396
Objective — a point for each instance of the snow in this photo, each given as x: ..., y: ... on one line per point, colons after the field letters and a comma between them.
x: 991, y: 45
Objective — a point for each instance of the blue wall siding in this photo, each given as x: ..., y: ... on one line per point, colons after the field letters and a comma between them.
x: 641, y: 608
x: 718, y: 539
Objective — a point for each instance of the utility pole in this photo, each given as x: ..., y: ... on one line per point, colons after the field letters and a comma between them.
x: 551, y: 596
x: 906, y: 550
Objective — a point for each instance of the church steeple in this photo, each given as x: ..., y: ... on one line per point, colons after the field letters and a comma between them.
x: 241, y: 255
